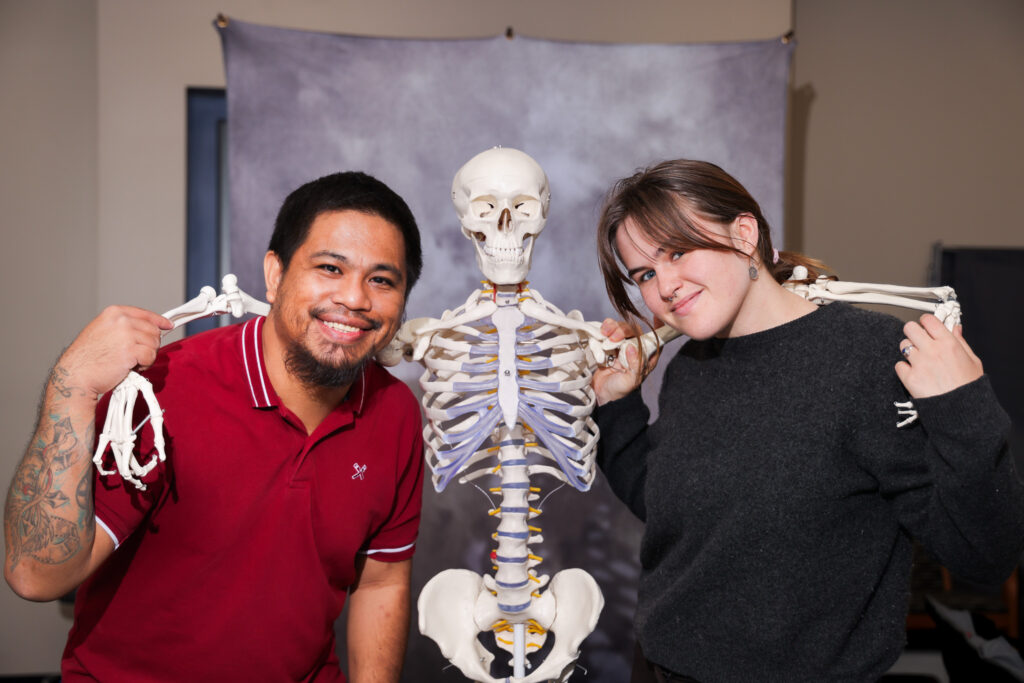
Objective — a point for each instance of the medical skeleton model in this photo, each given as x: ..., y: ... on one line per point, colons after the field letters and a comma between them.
x: 507, y: 394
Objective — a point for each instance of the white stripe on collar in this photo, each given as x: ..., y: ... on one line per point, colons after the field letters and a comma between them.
x: 251, y: 345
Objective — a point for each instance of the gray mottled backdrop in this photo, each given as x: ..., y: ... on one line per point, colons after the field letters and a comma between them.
x: 411, y: 112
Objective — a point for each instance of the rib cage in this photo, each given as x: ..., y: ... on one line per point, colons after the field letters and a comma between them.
x: 460, y: 382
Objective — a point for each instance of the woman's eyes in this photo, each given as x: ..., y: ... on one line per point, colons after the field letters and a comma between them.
x: 647, y: 275
x: 644, y: 276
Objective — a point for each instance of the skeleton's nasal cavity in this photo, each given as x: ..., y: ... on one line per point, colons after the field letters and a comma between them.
x: 505, y: 220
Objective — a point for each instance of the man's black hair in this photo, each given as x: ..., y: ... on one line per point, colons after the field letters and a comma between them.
x: 345, y: 191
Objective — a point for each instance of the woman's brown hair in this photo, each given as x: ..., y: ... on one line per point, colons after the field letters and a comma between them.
x: 662, y: 201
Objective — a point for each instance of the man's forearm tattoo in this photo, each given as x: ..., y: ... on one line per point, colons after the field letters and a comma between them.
x: 58, y: 380
x: 47, y: 514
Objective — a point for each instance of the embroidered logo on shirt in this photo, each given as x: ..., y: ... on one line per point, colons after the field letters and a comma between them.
x: 360, y: 470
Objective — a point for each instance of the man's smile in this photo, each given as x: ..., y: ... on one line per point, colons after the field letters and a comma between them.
x: 340, y: 327
x: 345, y: 322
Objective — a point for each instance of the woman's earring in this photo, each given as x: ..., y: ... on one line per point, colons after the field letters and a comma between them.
x: 752, y: 271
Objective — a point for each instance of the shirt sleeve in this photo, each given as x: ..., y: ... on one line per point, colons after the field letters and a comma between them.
x: 622, y: 449
x: 396, y: 540
x: 949, y: 475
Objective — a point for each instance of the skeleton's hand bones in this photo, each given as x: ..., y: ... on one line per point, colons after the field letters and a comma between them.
x: 117, y: 429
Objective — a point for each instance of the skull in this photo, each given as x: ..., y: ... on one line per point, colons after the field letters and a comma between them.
x: 502, y: 196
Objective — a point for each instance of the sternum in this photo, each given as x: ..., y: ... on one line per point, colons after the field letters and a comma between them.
x: 507, y: 319
x: 513, y: 555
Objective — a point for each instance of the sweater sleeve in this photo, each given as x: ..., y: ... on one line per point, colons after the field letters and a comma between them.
x: 622, y: 449
x: 953, y: 484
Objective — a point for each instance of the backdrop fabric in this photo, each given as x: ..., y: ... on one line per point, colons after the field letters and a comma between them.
x: 304, y: 104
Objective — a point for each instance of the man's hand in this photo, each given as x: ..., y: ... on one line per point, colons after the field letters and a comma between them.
x: 118, y: 340
x: 937, y: 360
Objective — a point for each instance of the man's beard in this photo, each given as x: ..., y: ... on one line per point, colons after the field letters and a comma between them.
x: 313, y: 372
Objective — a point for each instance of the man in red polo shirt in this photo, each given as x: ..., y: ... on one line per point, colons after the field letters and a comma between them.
x: 293, y: 477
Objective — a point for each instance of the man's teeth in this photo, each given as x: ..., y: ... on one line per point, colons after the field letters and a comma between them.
x: 340, y: 327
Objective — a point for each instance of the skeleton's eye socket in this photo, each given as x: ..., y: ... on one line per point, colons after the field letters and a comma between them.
x: 482, y: 206
x: 527, y: 206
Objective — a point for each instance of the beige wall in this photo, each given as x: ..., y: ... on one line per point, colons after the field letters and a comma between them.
x: 906, y: 129
x: 913, y: 134
x: 48, y: 152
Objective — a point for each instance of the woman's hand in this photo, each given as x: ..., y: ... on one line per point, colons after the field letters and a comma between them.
x: 937, y: 360
x: 617, y: 380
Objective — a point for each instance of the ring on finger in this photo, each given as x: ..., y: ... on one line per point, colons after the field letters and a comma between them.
x: 906, y: 350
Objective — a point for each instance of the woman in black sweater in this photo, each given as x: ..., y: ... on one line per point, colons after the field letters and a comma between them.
x: 778, y: 493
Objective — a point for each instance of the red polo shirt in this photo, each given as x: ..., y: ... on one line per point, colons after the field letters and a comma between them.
x: 234, y: 563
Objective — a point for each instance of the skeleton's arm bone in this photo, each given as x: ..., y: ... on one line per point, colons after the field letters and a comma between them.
x: 238, y: 302
x: 194, y: 308
x: 207, y: 303
x: 876, y: 298
x: 599, y: 343
x: 843, y: 287
x: 413, y: 338
x: 651, y: 342
x: 940, y: 301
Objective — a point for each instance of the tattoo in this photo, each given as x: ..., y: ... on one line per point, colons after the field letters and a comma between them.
x: 58, y: 380
x: 39, y: 490
x: 62, y: 450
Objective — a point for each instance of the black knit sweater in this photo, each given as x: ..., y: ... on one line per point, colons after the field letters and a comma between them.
x: 780, y: 499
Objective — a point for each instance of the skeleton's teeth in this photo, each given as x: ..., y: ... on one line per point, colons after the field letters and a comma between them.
x: 505, y: 254
x: 341, y: 328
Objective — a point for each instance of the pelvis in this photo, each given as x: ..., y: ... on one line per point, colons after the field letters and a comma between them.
x: 456, y: 606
